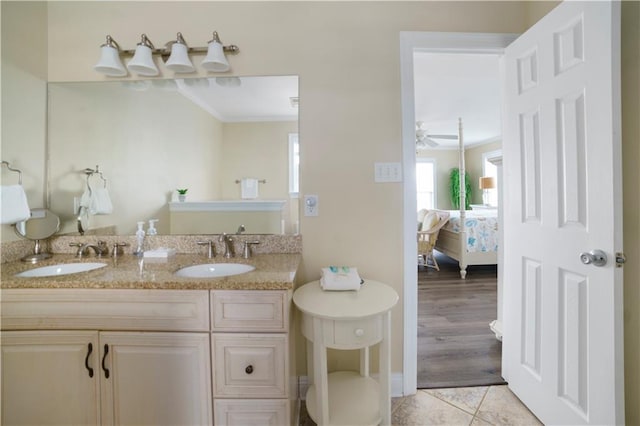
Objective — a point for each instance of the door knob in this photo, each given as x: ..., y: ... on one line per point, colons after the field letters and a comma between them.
x: 595, y: 257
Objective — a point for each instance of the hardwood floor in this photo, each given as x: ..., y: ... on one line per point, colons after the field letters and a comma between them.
x: 455, y: 346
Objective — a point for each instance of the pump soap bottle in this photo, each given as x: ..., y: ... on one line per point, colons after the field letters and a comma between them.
x: 140, y: 237
x: 152, y: 227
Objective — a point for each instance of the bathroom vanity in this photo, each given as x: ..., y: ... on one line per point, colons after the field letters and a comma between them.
x: 132, y: 344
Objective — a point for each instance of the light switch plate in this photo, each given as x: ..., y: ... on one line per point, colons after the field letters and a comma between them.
x: 388, y: 172
x: 311, y: 205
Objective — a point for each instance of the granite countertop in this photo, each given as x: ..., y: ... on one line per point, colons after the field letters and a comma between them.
x: 273, y: 272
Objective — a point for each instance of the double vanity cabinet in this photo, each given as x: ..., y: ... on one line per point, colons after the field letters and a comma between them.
x: 146, y: 356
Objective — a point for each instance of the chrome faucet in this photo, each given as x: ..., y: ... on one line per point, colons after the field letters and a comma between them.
x: 240, y: 230
x: 100, y: 249
x: 228, y: 244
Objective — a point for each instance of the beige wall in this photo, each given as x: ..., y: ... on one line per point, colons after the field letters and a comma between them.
x: 147, y: 144
x: 349, y: 90
x: 346, y: 55
x: 24, y: 82
x: 473, y: 164
x: 259, y: 150
x: 631, y: 191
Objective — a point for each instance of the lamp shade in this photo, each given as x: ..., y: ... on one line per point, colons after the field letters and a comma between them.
x: 215, y: 60
x: 179, y: 60
x: 110, y: 63
x: 142, y: 62
x: 487, y: 182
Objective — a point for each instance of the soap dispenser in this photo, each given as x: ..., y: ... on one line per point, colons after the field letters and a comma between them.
x: 152, y: 227
x: 140, y: 237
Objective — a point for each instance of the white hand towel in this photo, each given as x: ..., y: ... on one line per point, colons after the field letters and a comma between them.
x: 101, y: 202
x: 14, y: 204
x: 249, y: 188
x: 340, y: 278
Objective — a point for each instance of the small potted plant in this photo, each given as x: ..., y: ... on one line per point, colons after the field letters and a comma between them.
x: 182, y: 194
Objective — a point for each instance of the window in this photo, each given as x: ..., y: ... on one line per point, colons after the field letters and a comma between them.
x: 426, y: 183
x: 294, y: 165
x: 490, y: 170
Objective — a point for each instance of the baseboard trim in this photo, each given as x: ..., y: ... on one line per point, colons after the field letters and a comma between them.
x: 397, y: 382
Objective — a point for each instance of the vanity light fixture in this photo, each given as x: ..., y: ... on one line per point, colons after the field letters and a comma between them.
x: 215, y: 60
x: 142, y: 61
x: 179, y: 60
x: 176, y: 51
x: 110, y: 63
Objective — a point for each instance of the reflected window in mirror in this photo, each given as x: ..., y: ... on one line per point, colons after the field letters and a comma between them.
x: 426, y: 183
x: 294, y: 165
x: 491, y: 170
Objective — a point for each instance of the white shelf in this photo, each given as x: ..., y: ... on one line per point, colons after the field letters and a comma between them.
x: 353, y: 400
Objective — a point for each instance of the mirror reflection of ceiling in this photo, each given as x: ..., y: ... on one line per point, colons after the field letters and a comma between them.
x: 451, y: 85
x: 234, y: 99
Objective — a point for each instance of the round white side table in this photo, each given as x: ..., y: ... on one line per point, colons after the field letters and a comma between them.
x: 347, y: 320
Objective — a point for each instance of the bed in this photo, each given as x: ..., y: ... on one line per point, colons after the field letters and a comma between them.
x: 471, y: 236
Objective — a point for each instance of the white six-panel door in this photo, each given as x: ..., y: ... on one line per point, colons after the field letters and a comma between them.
x: 562, y: 175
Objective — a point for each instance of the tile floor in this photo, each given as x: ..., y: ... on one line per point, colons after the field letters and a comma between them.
x: 476, y: 406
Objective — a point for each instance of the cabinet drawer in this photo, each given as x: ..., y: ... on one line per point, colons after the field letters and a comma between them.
x: 242, y: 412
x: 344, y: 334
x: 105, y: 309
x: 250, y: 365
x: 357, y: 333
x: 249, y: 311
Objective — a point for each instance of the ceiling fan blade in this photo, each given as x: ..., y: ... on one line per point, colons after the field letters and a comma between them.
x: 431, y: 142
x: 452, y: 137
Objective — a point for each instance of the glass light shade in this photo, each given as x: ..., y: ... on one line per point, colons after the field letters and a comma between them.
x: 215, y: 60
x: 110, y: 63
x: 179, y: 60
x: 142, y: 62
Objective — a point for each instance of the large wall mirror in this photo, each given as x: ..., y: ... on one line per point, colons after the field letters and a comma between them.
x: 152, y: 137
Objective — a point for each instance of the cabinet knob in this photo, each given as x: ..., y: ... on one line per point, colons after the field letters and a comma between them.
x: 359, y: 332
x: 249, y: 369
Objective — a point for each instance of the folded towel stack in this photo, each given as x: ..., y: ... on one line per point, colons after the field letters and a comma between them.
x: 160, y: 252
x: 340, y: 278
x: 14, y: 204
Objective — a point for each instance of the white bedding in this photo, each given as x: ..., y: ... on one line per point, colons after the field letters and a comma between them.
x: 481, y: 227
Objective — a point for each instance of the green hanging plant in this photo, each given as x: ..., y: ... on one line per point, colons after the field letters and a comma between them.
x: 454, y: 189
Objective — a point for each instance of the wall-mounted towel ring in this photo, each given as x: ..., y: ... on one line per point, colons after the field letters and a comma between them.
x: 6, y: 163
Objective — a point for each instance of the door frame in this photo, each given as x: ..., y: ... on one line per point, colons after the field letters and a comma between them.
x: 436, y: 42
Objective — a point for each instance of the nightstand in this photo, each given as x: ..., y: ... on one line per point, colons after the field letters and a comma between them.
x: 347, y: 320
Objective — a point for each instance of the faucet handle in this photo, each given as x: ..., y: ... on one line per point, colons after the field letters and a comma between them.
x: 246, y: 248
x: 210, y: 248
x: 79, y: 245
x: 117, y: 249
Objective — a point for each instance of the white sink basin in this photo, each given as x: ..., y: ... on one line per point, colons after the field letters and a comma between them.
x: 60, y: 269
x: 212, y: 270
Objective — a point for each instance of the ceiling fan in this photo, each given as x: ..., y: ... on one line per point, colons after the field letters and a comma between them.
x: 425, y: 140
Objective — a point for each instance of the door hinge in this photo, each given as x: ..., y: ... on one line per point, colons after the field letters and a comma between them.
x: 620, y: 259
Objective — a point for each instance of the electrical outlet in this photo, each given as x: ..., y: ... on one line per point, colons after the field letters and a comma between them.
x: 311, y: 205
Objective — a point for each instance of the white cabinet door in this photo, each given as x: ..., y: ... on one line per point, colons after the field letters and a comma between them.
x: 50, y: 377
x: 155, y: 378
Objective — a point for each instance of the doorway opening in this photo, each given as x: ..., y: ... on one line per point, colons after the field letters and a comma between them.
x: 456, y: 347
x: 412, y: 42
